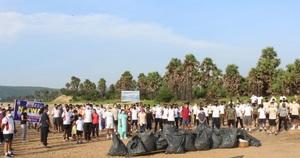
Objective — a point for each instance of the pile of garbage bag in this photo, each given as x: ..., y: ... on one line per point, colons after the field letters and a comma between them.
x: 176, y: 141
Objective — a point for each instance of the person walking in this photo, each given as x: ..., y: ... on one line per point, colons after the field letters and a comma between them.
x: 8, y: 126
x: 87, y: 126
x: 44, y: 127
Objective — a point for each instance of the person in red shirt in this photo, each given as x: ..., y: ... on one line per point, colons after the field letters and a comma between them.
x: 95, y: 121
x: 185, y: 115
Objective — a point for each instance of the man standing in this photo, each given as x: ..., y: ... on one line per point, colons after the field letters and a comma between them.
x: 87, y: 126
x: 23, y: 122
x: 283, y: 116
x: 294, y: 110
x: 230, y: 115
x: 185, y: 115
x: 158, y: 115
x: 8, y: 126
x: 248, y: 117
x: 216, y: 116
x: 44, y: 125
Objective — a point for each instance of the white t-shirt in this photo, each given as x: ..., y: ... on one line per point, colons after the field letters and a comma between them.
x: 56, y: 113
x: 9, y: 125
x: 253, y: 99
x: 239, y: 111
x: 176, y: 111
x: 66, y: 118
x: 134, y: 114
x: 206, y: 111
x: 171, y: 114
x: 261, y: 113
x: 158, y: 112
x: 294, y: 108
x: 222, y: 109
x: 165, y: 113
x: 109, y: 117
x: 215, y: 112
x: 259, y: 100
x: 79, y: 125
x: 248, y: 110
x: 87, y: 116
x: 195, y: 109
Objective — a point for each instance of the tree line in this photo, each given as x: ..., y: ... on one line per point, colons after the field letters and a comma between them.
x: 190, y: 79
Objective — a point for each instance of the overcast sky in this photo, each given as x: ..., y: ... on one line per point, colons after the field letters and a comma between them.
x: 44, y: 43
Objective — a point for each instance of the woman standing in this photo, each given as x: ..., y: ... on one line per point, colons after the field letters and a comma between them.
x: 44, y: 125
x: 122, y: 124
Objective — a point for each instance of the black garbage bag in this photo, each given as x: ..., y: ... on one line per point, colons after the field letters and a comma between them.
x: 175, y: 143
x: 135, y: 146
x: 118, y: 148
x: 216, y: 139
x: 203, y: 139
x: 242, y: 134
x: 169, y: 129
x: 148, y: 140
x: 229, y: 138
x: 161, y: 142
x: 189, y: 143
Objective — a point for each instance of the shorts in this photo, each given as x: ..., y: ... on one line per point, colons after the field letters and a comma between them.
x: 134, y: 122
x: 8, y: 137
x: 272, y: 122
x: 56, y: 121
x: 185, y: 122
x: 295, y: 117
x: 247, y: 120
x: 255, y: 116
x: 110, y: 125
x: 79, y: 133
x: 262, y: 121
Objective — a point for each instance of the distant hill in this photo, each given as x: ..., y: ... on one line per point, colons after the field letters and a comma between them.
x: 18, y: 91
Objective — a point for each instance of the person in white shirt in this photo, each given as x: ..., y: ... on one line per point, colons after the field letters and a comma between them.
x: 262, y: 118
x: 239, y: 115
x: 253, y: 99
x: 248, y: 111
x: 165, y: 115
x: 222, y: 113
x: 134, y: 118
x: 171, y: 115
x: 56, y: 118
x: 158, y: 115
x: 87, y: 123
x: 216, y: 116
x: 79, y: 129
x: 109, y: 121
x: 260, y: 100
x: 294, y: 111
x: 67, y: 123
x: 8, y: 126
x: 272, y: 118
x: 176, y: 115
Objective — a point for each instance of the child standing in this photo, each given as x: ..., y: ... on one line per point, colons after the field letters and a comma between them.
x: 79, y: 127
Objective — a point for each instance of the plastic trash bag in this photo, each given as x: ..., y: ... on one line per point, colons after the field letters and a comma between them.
x: 118, y: 148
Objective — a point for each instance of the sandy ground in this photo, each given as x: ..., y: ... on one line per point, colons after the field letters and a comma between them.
x: 285, y: 145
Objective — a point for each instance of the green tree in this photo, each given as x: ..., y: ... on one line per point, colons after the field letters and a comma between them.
x: 266, y: 69
x: 232, y: 80
x: 74, y: 84
x: 126, y: 82
x: 142, y: 85
x: 102, y: 87
x: 154, y: 81
x: 173, y: 76
x: 190, y: 73
x: 164, y: 94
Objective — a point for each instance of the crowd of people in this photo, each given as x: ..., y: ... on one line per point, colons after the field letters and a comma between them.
x: 84, y: 122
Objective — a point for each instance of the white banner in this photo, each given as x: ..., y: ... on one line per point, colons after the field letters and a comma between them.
x: 130, y: 96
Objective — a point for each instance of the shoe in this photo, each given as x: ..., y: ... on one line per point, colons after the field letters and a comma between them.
x: 8, y: 155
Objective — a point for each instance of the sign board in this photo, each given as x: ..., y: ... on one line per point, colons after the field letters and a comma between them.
x: 33, y: 109
x: 130, y: 96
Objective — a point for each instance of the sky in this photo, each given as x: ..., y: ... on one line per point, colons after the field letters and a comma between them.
x: 44, y: 43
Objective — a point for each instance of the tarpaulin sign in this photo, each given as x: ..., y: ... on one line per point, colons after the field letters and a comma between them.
x: 33, y: 109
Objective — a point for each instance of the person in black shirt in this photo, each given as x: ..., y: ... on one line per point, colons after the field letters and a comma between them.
x: 44, y: 126
x: 149, y: 118
x: 24, y: 119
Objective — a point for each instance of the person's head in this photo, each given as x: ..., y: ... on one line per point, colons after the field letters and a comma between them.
x: 261, y: 106
x: 284, y: 104
x: 230, y: 105
x: 79, y: 117
x: 45, y: 110
x: 94, y: 110
x: 8, y: 113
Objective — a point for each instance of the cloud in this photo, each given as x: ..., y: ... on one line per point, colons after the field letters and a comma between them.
x: 14, y: 24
